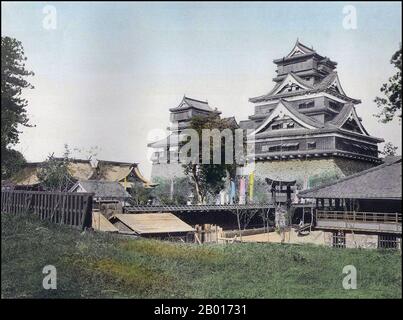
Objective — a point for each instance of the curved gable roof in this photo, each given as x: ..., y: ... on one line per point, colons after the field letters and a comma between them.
x: 285, y: 108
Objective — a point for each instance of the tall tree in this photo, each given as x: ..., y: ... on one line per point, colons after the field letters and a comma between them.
x: 13, y: 105
x: 54, y: 173
x: 391, y: 103
x: 209, y: 178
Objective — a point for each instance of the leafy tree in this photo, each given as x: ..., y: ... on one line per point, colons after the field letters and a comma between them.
x: 54, y: 174
x: 391, y: 104
x: 389, y: 149
x: 163, y: 193
x: 209, y: 179
x: 13, y: 106
x: 11, y: 162
x: 139, y: 194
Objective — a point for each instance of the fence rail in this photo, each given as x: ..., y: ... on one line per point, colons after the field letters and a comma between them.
x: 69, y: 208
x: 359, y: 216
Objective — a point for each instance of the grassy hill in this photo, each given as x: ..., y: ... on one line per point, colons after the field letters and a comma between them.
x: 100, y: 265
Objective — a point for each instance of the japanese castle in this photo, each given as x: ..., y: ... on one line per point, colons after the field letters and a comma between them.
x: 306, y: 128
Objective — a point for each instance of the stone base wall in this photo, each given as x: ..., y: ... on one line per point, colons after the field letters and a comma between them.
x: 314, y: 171
x: 353, y: 240
x: 359, y: 240
x: 365, y: 241
x: 166, y: 171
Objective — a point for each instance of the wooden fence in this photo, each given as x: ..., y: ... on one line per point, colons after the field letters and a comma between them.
x: 69, y: 208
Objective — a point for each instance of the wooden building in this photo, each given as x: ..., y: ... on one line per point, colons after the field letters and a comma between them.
x: 27, y: 177
x: 155, y: 225
x: 125, y: 173
x: 307, y: 128
x: 163, y: 166
x: 362, y: 210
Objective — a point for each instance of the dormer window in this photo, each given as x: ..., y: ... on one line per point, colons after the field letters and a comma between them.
x: 306, y: 105
x: 334, y: 106
x: 311, y: 145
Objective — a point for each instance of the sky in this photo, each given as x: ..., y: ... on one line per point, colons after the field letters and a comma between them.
x: 106, y: 73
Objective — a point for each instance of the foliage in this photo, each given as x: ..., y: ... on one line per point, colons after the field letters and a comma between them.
x: 11, y: 162
x: 98, y: 265
x: 389, y: 149
x: 139, y: 194
x: 261, y: 194
x: 162, y: 192
x: 209, y: 179
x: 391, y: 104
x: 54, y: 174
x: 13, y: 106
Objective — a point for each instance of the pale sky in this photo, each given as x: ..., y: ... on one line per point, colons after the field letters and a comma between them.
x: 108, y: 73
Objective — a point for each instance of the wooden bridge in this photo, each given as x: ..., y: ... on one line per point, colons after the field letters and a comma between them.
x: 206, y: 208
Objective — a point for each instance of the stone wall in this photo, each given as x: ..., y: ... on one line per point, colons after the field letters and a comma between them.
x: 365, y: 241
x: 167, y: 171
x: 315, y: 171
x: 328, y: 238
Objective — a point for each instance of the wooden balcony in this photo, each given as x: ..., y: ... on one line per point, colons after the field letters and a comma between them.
x: 359, y: 221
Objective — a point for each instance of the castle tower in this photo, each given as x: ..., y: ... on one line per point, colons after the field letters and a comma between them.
x: 180, y: 116
x: 307, y: 128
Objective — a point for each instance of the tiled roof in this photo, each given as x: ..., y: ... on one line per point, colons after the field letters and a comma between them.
x: 381, y: 182
x: 102, y: 189
x: 149, y: 223
x: 323, y: 85
x: 28, y: 175
x: 193, y: 103
x: 299, y: 115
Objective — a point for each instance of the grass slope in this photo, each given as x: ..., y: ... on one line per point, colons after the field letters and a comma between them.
x: 95, y: 265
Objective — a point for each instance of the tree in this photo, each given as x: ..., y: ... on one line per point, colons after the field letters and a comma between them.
x: 391, y: 104
x: 11, y: 162
x: 209, y: 179
x: 13, y: 106
x: 54, y: 174
x: 389, y: 149
x: 171, y: 191
x: 140, y: 194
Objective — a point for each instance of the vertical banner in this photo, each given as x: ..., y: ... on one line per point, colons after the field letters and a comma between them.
x: 171, y: 194
x: 242, y: 190
x: 251, y: 185
x: 232, y: 192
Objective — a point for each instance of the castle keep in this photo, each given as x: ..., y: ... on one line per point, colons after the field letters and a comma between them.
x: 306, y: 128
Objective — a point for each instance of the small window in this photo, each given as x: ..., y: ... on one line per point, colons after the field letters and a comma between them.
x: 311, y: 145
x: 290, y: 125
x: 277, y: 126
x: 275, y: 148
x: 387, y: 241
x: 333, y: 105
x: 339, y: 239
x: 306, y: 105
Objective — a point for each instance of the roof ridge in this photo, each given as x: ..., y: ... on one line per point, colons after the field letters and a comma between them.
x: 206, y: 102
x: 303, y: 45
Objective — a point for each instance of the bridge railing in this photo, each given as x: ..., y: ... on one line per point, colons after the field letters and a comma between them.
x: 359, y: 216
